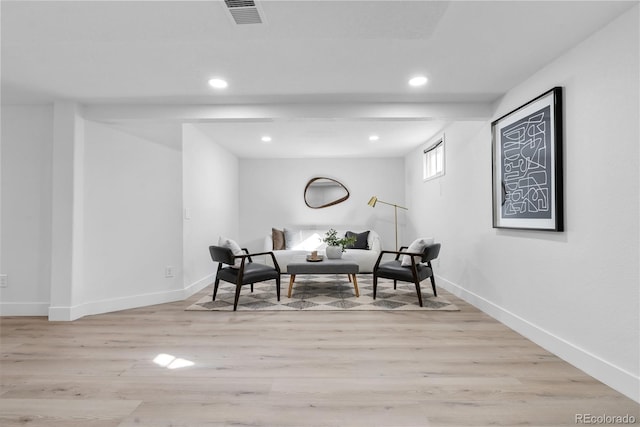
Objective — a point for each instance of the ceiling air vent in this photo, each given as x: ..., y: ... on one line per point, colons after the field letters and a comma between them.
x: 244, y: 11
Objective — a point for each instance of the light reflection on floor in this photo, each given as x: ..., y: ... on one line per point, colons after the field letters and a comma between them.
x: 171, y: 362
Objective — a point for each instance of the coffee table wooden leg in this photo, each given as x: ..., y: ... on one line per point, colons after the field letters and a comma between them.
x: 355, y: 284
x: 291, y: 280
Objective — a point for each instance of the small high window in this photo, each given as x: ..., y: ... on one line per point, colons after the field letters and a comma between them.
x: 433, y: 160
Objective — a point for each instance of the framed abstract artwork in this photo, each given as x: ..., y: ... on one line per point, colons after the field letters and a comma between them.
x: 527, y: 165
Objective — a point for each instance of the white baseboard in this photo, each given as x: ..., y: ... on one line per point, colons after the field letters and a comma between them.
x: 114, y: 304
x: 24, y: 308
x: 62, y: 313
x: 128, y: 302
x: 615, y: 377
x: 199, y: 285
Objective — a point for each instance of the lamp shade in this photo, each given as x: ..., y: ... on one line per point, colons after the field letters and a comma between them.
x: 373, y: 201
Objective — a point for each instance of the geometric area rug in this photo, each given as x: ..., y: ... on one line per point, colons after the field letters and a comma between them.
x: 327, y: 292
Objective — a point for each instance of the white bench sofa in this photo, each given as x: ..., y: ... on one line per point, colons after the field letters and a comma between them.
x: 300, y: 241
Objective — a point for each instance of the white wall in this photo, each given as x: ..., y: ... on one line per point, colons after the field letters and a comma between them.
x: 576, y: 292
x: 131, y: 214
x: 26, y: 209
x: 272, y: 190
x: 67, y: 210
x: 211, y: 203
x: 132, y: 221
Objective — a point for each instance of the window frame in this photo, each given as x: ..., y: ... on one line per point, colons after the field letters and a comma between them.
x: 426, y: 158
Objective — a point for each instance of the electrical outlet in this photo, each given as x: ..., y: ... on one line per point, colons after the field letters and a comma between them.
x: 4, y: 281
x: 168, y: 271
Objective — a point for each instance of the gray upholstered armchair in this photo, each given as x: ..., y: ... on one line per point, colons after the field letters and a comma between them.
x: 416, y: 272
x: 248, y: 272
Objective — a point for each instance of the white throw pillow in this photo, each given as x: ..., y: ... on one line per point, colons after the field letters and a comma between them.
x: 302, y: 240
x: 417, y: 246
x: 292, y: 238
x: 235, y: 248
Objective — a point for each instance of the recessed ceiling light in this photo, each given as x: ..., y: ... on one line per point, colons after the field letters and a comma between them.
x: 418, y: 81
x: 374, y: 138
x: 266, y: 138
x: 218, y: 83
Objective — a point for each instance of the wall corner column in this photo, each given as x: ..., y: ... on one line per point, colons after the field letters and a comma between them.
x: 67, y: 211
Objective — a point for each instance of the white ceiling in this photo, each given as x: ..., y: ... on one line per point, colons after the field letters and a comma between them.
x: 342, y: 58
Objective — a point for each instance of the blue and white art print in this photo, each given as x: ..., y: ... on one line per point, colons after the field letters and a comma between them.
x: 527, y: 165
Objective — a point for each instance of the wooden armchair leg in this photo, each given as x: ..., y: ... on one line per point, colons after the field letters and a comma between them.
x: 433, y: 286
x: 375, y: 285
x: 278, y: 288
x: 235, y: 301
x: 419, y: 293
x: 215, y: 289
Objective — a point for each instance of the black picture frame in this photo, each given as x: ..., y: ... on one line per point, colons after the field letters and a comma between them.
x: 527, y: 165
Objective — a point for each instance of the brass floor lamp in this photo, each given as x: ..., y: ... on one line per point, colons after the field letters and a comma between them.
x: 372, y: 203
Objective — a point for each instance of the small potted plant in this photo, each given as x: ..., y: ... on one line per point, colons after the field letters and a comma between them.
x: 336, y: 245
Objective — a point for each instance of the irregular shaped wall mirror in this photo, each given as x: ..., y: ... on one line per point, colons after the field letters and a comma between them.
x: 321, y: 192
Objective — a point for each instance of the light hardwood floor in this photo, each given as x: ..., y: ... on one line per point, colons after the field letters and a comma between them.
x: 288, y: 369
